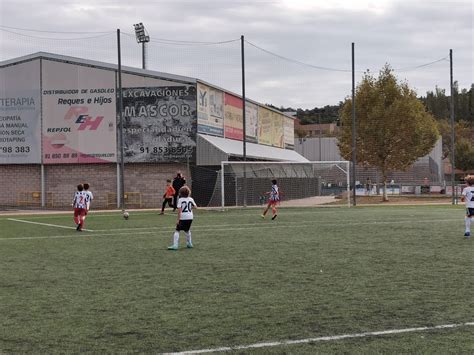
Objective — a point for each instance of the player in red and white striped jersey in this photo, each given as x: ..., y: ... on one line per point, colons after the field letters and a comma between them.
x: 80, y: 203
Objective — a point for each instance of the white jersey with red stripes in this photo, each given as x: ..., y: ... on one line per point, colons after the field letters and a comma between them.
x: 81, y: 199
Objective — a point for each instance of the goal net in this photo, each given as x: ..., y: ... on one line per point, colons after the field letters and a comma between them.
x: 301, y: 184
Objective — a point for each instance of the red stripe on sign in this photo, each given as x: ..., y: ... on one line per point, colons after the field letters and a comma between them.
x: 232, y: 100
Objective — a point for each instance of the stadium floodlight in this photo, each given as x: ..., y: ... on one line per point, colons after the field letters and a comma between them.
x: 140, y: 32
x: 143, y: 38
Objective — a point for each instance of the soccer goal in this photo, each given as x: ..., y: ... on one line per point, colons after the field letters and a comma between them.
x: 313, y: 183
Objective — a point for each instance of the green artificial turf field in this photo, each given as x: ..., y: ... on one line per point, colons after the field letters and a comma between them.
x: 311, y: 273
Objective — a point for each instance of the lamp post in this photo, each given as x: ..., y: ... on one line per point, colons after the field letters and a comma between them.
x: 143, y: 38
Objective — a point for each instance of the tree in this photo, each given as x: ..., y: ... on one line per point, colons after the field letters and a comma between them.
x: 462, y: 130
x: 393, y: 127
x: 464, y: 152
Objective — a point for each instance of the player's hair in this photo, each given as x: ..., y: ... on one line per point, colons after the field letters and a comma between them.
x: 80, y: 187
x: 86, y: 186
x: 274, y: 182
x: 469, y: 180
x: 184, y: 191
x: 168, y: 180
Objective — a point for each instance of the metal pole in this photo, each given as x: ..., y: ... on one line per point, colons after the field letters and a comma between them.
x: 244, y: 119
x: 143, y: 55
x: 453, y: 154
x: 222, y: 186
x: 354, y: 157
x: 120, y: 110
x: 43, y: 187
x: 319, y: 124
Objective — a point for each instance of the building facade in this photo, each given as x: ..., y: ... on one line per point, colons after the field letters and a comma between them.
x: 60, y: 125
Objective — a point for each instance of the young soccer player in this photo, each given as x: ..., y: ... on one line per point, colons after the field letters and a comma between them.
x: 468, y: 198
x: 80, y: 206
x: 91, y: 197
x: 185, y: 217
x: 168, y: 196
x: 273, y: 200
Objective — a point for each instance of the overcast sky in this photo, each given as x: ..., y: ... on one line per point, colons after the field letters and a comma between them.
x: 403, y: 33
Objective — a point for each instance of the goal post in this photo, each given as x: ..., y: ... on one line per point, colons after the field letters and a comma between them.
x: 321, y: 183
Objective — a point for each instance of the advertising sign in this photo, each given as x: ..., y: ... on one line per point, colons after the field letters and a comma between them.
x: 159, y: 123
x: 289, y: 131
x: 233, y: 121
x: 264, y: 126
x: 251, y: 122
x: 210, y: 104
x: 277, y: 130
x: 79, y: 114
x: 20, y: 121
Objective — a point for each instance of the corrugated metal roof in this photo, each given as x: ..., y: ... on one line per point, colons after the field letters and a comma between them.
x: 96, y: 64
x: 254, y: 151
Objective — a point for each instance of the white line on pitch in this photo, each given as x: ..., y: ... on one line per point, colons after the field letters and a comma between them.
x: 46, y: 224
x: 206, y: 229
x: 324, y: 338
x: 299, y: 223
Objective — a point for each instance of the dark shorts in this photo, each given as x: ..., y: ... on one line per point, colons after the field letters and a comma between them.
x: 470, y: 212
x: 184, y: 225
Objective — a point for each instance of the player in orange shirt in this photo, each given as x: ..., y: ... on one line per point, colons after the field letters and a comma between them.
x: 168, y: 196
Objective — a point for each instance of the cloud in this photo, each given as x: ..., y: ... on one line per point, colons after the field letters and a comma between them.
x: 402, y: 33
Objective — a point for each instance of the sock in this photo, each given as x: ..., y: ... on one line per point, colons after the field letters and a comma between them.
x: 468, y: 224
x: 176, y: 239
x: 188, y: 237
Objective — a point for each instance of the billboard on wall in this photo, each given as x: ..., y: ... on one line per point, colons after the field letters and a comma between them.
x: 264, y: 126
x: 233, y: 117
x: 20, y: 111
x: 251, y: 122
x: 277, y: 130
x: 159, y: 123
x: 210, y: 107
x: 289, y: 131
x: 79, y: 114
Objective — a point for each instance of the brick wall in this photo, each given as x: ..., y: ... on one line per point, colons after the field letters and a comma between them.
x: 61, y: 180
x: 16, y: 180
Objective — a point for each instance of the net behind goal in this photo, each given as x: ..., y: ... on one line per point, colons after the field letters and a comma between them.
x: 300, y: 184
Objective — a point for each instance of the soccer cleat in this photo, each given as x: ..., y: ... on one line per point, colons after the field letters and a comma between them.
x: 79, y: 228
x: 263, y: 216
x: 275, y: 216
x: 189, y: 245
x: 173, y: 247
x: 467, y: 234
x: 162, y: 213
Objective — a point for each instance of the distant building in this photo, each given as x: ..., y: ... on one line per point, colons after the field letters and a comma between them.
x: 315, y: 129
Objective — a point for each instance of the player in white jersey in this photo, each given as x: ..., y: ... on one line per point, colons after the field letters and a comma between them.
x: 80, y: 201
x: 185, y: 217
x: 468, y: 198
x: 91, y: 197
x: 273, y: 200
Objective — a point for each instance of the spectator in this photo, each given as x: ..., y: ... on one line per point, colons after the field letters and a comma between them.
x: 178, y: 182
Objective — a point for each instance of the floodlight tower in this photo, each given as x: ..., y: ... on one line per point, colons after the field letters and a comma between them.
x: 143, y: 38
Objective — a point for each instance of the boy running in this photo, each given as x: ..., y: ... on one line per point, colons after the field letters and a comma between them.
x: 80, y: 207
x: 168, y: 196
x: 468, y: 198
x: 274, y: 198
x: 185, y: 217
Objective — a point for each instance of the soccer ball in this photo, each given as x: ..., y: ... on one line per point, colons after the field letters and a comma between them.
x: 125, y: 215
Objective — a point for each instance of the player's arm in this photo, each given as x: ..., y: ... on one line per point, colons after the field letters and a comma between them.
x: 463, y: 195
x: 179, y: 213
